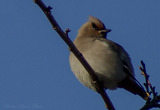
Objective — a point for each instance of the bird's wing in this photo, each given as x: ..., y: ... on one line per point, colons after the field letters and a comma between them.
x: 126, y: 61
x: 127, y: 66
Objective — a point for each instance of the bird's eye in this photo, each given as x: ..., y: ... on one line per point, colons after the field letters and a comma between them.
x: 94, y: 26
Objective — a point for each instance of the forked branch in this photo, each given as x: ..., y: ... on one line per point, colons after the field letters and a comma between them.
x: 153, y: 102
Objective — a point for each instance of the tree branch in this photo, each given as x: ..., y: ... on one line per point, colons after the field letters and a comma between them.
x: 64, y: 36
x: 155, y: 100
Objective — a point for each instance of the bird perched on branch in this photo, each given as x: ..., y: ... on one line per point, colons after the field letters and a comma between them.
x: 111, y: 63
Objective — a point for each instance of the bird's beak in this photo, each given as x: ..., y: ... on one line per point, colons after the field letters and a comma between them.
x: 105, y: 31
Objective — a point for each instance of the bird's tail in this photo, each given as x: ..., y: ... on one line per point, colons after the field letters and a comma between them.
x: 134, y: 87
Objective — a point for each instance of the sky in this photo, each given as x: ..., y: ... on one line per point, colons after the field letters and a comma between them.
x: 34, y: 67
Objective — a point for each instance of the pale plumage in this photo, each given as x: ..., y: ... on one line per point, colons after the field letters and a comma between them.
x: 109, y: 60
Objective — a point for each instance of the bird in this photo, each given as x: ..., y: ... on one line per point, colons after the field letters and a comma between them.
x: 109, y: 60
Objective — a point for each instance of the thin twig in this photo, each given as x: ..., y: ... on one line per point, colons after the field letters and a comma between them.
x: 64, y: 36
x: 143, y: 70
x: 67, y: 31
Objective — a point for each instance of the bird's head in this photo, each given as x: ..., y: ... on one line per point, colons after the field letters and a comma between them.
x: 94, y: 28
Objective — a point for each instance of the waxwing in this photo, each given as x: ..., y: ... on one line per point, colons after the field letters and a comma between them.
x: 109, y: 60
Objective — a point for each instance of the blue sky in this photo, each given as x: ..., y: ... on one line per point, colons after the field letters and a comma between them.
x: 34, y: 68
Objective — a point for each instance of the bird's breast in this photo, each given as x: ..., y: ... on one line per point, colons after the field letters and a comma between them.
x: 104, y: 61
